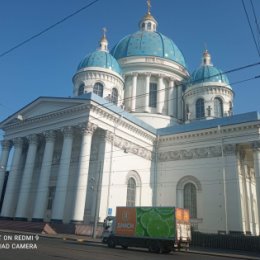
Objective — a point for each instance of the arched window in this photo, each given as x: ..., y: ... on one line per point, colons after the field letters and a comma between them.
x: 98, y: 89
x: 149, y: 26
x: 200, y: 111
x: 218, y: 107
x: 153, y: 95
x: 81, y: 90
x: 114, y: 96
x: 131, y: 193
x: 190, y: 199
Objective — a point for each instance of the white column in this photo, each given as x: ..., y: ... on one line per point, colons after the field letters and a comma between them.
x: 249, y: 200
x: 133, y: 97
x: 63, y: 176
x: 175, y: 102
x: 82, y: 184
x: 6, y: 146
x: 170, y: 98
x: 106, y: 154
x: 146, y: 92
x: 180, y: 116
x: 160, y: 95
x: 43, y: 186
x: 256, y: 147
x: 9, y: 204
x: 22, y: 205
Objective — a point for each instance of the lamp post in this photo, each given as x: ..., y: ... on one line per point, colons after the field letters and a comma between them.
x: 97, y: 202
x: 116, y: 124
x: 224, y: 179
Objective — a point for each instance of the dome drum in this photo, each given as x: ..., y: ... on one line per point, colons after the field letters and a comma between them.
x: 154, y: 65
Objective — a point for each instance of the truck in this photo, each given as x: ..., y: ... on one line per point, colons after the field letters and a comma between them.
x: 159, y: 229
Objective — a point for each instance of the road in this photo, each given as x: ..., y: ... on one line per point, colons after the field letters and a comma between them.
x: 41, y: 248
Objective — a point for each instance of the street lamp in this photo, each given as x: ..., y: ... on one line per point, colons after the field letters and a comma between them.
x: 116, y: 124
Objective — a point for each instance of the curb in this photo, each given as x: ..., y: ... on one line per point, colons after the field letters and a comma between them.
x: 66, y: 237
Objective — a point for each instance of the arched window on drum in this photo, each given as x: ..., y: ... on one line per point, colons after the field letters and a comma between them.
x: 114, y: 96
x: 98, y: 89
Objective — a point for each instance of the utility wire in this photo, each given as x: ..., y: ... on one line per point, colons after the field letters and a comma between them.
x: 256, y: 22
x: 251, y: 29
x: 47, y: 29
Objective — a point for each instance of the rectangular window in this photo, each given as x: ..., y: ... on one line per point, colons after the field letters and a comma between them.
x: 153, y: 95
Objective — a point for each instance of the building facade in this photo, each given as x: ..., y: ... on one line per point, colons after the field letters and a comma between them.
x: 140, y: 130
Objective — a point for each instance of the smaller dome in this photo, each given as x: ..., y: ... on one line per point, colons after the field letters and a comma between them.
x: 101, y: 59
x: 208, y: 73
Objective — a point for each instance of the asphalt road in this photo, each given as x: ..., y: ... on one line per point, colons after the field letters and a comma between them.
x: 40, y: 248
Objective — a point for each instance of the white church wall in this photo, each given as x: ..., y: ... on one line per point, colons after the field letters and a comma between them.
x: 208, y: 173
x: 124, y: 166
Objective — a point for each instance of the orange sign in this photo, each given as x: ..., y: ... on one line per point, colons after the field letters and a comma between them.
x: 179, y: 214
x: 182, y: 215
x: 125, y: 221
x: 186, y: 215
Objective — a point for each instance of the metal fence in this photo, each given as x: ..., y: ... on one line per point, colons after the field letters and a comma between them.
x: 234, y: 242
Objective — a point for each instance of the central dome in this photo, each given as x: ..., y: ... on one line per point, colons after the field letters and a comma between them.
x: 148, y: 43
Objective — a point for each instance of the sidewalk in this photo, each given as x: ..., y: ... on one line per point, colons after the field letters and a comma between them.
x: 193, y: 250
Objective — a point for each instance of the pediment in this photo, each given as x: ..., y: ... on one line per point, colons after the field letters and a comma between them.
x: 42, y: 106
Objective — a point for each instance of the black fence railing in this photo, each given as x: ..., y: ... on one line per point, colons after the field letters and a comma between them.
x: 234, y: 242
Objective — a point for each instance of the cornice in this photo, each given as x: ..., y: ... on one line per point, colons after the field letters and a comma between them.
x: 207, y: 133
x: 198, y: 153
x: 211, y: 89
x: 101, y: 113
x: 99, y: 74
x: 128, y: 146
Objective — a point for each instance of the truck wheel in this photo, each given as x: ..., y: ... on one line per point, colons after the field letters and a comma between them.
x: 154, y: 247
x: 111, y: 243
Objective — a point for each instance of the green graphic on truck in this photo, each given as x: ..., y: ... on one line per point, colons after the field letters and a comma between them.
x: 147, y: 217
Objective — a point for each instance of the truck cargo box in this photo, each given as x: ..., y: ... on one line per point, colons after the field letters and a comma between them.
x: 156, y: 228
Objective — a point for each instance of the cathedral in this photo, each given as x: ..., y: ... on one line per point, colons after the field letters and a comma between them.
x: 139, y: 130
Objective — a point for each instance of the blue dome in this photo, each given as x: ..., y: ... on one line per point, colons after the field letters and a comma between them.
x: 148, y: 43
x: 208, y: 73
x: 101, y: 59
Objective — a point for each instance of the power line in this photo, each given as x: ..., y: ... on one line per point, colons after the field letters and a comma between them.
x: 251, y: 29
x: 47, y: 29
x: 256, y: 22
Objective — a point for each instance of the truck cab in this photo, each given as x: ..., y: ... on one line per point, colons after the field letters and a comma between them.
x: 108, y: 228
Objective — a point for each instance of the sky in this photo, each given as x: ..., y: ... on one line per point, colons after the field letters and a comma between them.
x: 45, y: 65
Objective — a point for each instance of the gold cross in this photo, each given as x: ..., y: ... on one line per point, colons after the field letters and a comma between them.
x: 149, y: 6
x: 104, y: 31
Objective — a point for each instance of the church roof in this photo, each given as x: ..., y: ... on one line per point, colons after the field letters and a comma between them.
x: 207, y: 72
x: 213, y: 123
x: 148, y: 43
x: 101, y: 59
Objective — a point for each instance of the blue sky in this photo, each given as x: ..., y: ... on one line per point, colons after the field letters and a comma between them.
x: 45, y: 66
